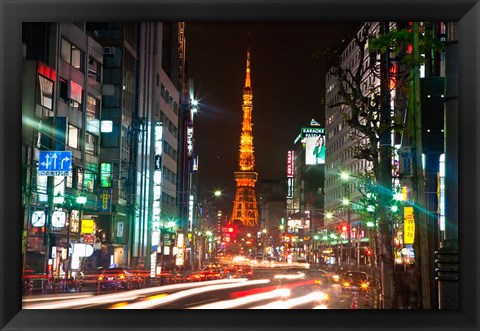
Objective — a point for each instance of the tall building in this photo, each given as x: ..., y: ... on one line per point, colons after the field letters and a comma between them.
x: 141, y: 101
x: 305, y: 187
x: 61, y: 111
x: 120, y: 43
x: 245, y: 204
x: 340, y: 156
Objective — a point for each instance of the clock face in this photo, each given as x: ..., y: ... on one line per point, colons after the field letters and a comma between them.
x: 38, y: 218
x: 58, y: 219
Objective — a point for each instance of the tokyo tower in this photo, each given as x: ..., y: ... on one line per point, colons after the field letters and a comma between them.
x: 245, y: 203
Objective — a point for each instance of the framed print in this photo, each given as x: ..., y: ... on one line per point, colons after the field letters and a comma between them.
x: 224, y: 165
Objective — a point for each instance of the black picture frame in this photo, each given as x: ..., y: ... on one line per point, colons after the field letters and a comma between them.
x: 13, y: 13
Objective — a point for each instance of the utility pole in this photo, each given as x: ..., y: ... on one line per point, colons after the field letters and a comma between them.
x: 446, y: 260
x: 384, y: 189
x: 421, y: 234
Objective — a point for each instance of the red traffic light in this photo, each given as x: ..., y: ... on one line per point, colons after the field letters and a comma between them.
x: 369, y: 252
x: 344, y: 228
x: 230, y: 229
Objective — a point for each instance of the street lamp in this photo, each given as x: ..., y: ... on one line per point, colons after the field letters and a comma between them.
x: 69, y: 205
x: 170, y: 226
x: 346, y: 202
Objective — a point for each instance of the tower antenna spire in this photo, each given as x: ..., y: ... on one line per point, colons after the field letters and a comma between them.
x: 245, y: 204
x: 247, y: 76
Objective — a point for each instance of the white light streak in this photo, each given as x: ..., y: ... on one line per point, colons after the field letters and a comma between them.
x: 229, y: 304
x: 311, y: 297
x: 183, y: 294
x: 56, y: 298
x: 129, y: 295
x: 289, y: 276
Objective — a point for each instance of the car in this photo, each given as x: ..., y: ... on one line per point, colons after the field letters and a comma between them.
x: 207, y: 273
x: 244, y: 271
x: 119, y: 278
x: 320, y: 278
x: 354, y: 281
x: 213, y: 273
x: 301, y: 259
x: 230, y: 273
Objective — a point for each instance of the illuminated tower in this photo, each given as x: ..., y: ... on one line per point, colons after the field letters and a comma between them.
x: 245, y: 204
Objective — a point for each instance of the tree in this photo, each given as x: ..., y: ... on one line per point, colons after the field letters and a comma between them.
x: 365, y: 103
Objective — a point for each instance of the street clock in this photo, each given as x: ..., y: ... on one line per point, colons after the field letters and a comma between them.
x: 38, y: 218
x: 59, y: 219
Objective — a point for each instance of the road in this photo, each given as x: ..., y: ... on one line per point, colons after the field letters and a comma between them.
x: 268, y: 290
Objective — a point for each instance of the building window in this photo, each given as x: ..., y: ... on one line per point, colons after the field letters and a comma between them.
x: 71, y: 54
x: 63, y: 89
x: 76, y: 58
x: 69, y: 182
x: 93, y: 106
x: 73, y: 136
x: 94, y: 69
x: 89, y: 181
x: 45, y: 92
x: 80, y: 179
x: 90, y: 144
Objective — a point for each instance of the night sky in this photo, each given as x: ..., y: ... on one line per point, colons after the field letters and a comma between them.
x: 288, y: 89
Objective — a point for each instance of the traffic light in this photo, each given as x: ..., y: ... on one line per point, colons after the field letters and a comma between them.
x: 344, y: 228
x: 368, y: 252
x: 230, y: 229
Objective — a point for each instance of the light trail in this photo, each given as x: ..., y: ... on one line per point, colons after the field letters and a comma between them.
x: 229, y: 304
x: 125, y: 296
x: 290, y: 276
x: 287, y: 304
x: 186, y: 293
x: 57, y: 297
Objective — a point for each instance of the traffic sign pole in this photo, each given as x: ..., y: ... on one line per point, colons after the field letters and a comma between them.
x: 48, y: 221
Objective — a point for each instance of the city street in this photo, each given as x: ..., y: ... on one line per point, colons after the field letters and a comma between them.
x: 265, y: 291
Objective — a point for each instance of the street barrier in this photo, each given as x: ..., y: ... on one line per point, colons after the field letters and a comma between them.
x: 354, y: 301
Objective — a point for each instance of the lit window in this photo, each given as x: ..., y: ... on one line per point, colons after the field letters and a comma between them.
x: 46, y: 92
x: 79, y: 179
x: 88, y: 181
x: 66, y: 53
x: 73, y: 136
x: 90, y: 142
x: 92, y: 106
x: 76, y: 57
x: 71, y: 54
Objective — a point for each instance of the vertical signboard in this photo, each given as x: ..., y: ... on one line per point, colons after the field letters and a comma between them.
x: 290, y: 165
x: 105, y: 200
x: 405, y: 156
x: 189, y: 141
x: 408, y: 226
x: 290, y: 173
x: 105, y: 174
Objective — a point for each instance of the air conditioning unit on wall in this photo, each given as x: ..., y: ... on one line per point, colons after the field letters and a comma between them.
x: 109, y: 51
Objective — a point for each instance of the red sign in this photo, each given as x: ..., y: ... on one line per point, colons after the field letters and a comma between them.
x: 290, y: 159
x: 89, y: 239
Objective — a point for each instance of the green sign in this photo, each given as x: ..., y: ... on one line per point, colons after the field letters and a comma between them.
x: 105, y: 175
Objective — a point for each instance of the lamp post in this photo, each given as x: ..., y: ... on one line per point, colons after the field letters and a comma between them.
x: 209, y: 215
x: 67, y: 204
x: 170, y: 226
x: 345, y: 228
x: 346, y: 202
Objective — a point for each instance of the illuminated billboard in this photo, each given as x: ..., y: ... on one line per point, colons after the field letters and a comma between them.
x: 290, y: 163
x: 315, y: 148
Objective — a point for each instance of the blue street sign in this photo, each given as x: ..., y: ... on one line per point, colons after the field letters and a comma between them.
x: 55, y: 163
